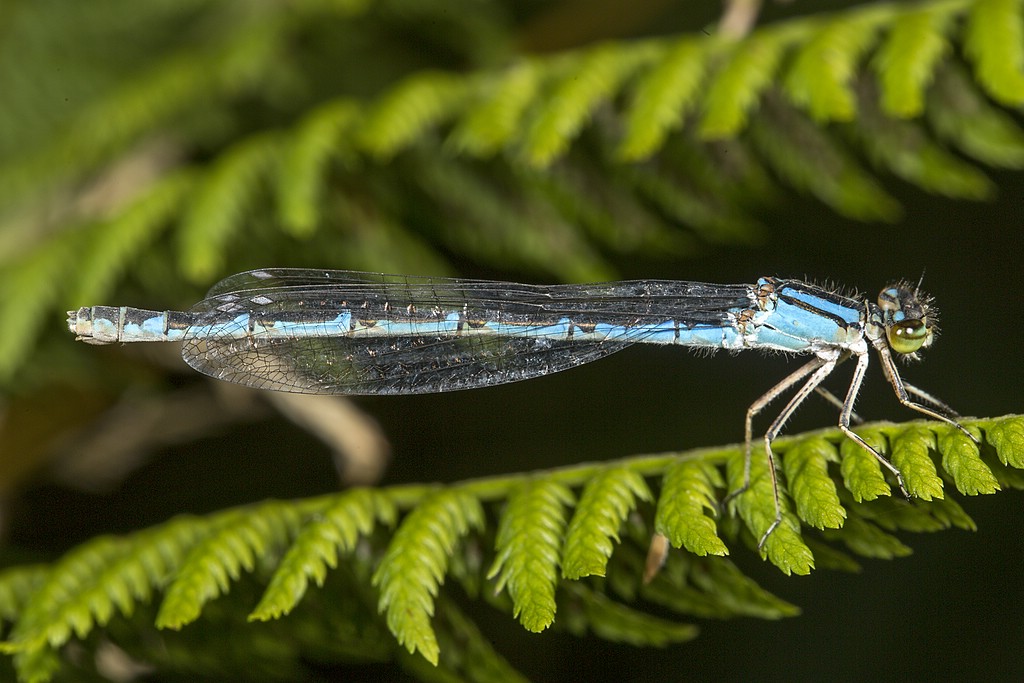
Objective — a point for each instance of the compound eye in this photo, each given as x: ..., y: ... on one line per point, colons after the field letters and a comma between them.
x: 908, y: 336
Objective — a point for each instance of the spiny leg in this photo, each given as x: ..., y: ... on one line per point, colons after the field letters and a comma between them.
x: 755, y: 408
x: 847, y: 410
x: 826, y: 366
x: 838, y: 403
x: 940, y: 412
x: 936, y: 403
x: 818, y: 368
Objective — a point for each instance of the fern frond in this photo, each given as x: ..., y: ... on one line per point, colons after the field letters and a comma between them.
x: 908, y: 152
x: 30, y: 286
x: 54, y: 612
x: 907, y: 61
x: 961, y: 459
x: 862, y: 473
x: 994, y: 40
x: 820, y: 79
x: 661, y: 99
x: 315, y: 142
x: 111, y: 574
x: 540, y: 105
x: 470, y: 201
x: 813, y: 162
x: 149, y: 101
x: 16, y: 585
x: 584, y: 81
x: 894, y: 515
x: 116, y: 242
x: 1007, y: 436
x: 235, y: 542
x: 742, y: 80
x: 410, y: 112
x: 332, y: 531
x: 37, y: 666
x: 911, y: 455
x: 528, y: 547
x: 467, y: 654
x: 712, y: 588
x: 813, y: 490
x: 415, y: 565
x: 219, y: 207
x: 195, y: 560
x: 619, y: 623
x: 867, y: 540
x: 495, y: 112
x: 604, y: 504
x: 964, y: 120
x: 756, y: 507
x: 687, y: 493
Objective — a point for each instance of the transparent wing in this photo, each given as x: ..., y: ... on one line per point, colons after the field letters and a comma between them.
x: 382, y: 365
x: 507, y: 331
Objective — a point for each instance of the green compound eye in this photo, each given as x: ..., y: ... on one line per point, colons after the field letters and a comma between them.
x: 908, y: 336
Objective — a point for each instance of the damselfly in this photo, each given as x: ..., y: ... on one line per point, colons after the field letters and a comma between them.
x: 345, y: 332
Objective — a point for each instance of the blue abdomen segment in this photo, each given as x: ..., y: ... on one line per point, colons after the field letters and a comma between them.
x: 797, y: 318
x: 806, y: 318
x: 109, y: 324
x: 112, y: 324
